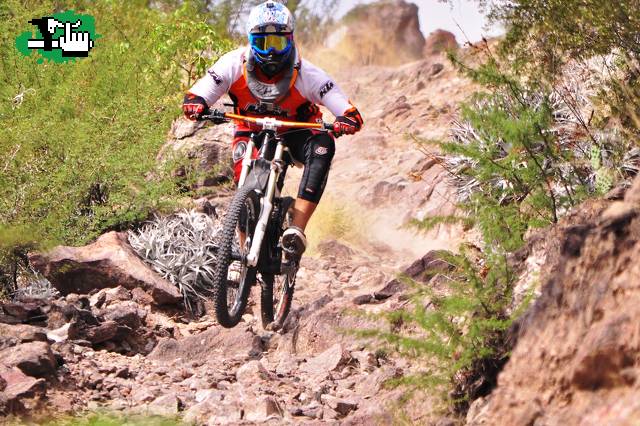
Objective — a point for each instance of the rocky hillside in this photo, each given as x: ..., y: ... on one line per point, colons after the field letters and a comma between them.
x: 576, y: 356
x: 117, y: 337
x: 386, y: 32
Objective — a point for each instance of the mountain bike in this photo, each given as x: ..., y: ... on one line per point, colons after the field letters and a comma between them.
x: 250, y: 241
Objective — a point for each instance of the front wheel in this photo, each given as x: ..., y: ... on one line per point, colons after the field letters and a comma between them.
x: 233, y: 278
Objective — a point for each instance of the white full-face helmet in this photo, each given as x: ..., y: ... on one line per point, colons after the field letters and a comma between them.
x: 270, y: 30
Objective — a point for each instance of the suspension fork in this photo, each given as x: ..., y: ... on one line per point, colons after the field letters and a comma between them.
x: 267, y: 205
x: 246, y: 160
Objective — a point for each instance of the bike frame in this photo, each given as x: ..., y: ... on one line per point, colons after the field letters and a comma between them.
x: 278, y: 166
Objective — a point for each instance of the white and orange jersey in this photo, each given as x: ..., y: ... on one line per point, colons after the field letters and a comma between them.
x: 309, y: 84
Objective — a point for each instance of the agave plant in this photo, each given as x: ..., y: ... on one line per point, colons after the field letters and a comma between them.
x: 181, y: 248
x: 592, y: 159
x: 33, y: 285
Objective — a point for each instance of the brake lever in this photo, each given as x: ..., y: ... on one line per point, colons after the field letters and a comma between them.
x: 216, y: 117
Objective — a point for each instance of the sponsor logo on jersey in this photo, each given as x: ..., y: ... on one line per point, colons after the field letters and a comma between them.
x: 215, y: 77
x: 326, y: 89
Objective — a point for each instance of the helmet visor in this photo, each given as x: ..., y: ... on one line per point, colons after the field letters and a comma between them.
x: 271, y: 43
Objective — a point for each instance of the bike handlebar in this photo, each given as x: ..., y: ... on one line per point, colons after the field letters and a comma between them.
x: 267, y: 123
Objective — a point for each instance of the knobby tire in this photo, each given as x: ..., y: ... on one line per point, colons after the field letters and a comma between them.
x: 267, y: 303
x: 226, y: 318
x: 269, y: 317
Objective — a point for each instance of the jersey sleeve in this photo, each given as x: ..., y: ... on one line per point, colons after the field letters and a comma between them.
x: 219, y: 77
x: 319, y: 88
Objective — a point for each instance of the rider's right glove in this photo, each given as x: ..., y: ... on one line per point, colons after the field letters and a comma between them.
x: 194, y: 106
x: 217, y: 117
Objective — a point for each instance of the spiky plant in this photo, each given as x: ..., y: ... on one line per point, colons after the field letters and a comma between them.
x: 584, y: 157
x: 181, y: 248
x: 33, y: 285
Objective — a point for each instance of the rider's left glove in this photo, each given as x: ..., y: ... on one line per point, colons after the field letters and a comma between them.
x: 348, y: 124
x: 194, y: 106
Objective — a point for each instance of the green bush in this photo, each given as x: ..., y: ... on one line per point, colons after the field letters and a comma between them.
x: 78, y: 141
x: 105, y: 418
x: 544, y: 36
x: 455, y: 329
x: 549, y: 33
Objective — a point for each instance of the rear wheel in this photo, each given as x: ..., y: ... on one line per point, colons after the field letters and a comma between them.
x: 277, y: 290
x: 276, y: 298
x: 233, y: 278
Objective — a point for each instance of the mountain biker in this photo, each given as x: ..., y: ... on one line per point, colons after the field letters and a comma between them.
x: 269, y: 79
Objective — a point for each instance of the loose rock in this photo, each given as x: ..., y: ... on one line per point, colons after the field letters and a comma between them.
x: 108, y: 262
x: 35, y: 358
x: 330, y: 360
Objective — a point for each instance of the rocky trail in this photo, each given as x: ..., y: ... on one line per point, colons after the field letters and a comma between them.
x: 120, y: 352
x: 117, y: 339
x: 119, y: 349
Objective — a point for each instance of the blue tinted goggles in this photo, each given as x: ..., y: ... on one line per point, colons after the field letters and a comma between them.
x: 266, y: 44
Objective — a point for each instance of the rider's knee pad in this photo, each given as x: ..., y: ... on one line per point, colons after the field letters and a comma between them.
x: 320, y: 150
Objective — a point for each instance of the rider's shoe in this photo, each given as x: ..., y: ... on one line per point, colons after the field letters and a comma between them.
x: 294, y: 243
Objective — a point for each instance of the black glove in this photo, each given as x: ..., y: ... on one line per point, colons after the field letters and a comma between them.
x: 307, y: 111
x: 194, y: 106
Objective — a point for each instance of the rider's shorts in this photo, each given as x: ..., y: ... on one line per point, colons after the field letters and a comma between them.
x: 312, y: 148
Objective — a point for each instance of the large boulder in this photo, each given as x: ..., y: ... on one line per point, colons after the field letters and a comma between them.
x: 421, y: 271
x: 440, y: 41
x: 386, y: 32
x: 34, y: 358
x: 201, y: 347
x: 109, y: 262
x: 575, y: 360
x: 201, y: 151
x: 318, y: 327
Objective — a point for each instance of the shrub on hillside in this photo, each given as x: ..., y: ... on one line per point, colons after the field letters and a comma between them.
x: 455, y: 326
x: 79, y: 140
x: 543, y: 37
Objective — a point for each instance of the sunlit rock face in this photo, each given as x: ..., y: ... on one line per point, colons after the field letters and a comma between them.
x: 382, y: 33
